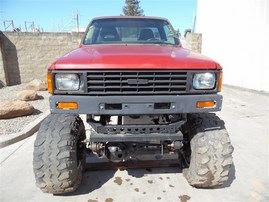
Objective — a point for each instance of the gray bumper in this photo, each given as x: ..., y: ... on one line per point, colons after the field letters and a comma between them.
x: 131, y: 105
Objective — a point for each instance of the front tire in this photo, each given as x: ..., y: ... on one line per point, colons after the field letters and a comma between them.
x: 59, y: 154
x: 211, y: 151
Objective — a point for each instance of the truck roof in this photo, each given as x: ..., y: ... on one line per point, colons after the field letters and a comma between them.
x: 124, y: 17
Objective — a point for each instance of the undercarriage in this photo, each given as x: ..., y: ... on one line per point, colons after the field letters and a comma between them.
x: 120, y: 138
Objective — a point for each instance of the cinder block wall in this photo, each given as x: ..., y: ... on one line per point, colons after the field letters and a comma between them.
x: 2, y: 70
x: 26, y: 56
x: 193, y: 41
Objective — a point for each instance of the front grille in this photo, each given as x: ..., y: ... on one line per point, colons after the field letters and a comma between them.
x: 136, y: 82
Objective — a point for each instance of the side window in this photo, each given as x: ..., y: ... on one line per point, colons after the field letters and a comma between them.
x: 89, y: 35
x: 169, y: 34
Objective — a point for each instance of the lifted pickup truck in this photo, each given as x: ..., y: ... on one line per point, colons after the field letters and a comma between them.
x: 141, y: 91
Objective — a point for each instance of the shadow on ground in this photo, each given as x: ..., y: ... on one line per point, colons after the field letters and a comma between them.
x: 99, y: 173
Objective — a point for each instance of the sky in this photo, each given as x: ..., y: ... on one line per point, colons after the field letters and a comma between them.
x: 58, y: 15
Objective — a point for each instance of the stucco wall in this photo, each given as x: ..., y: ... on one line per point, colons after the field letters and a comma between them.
x: 236, y: 34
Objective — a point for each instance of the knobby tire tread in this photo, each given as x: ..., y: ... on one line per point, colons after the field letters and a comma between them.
x: 211, y: 151
x: 55, y: 160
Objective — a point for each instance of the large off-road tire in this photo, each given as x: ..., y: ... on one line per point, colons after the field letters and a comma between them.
x: 211, y: 151
x: 59, y: 154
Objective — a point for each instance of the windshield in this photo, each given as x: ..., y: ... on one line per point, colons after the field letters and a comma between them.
x: 130, y: 30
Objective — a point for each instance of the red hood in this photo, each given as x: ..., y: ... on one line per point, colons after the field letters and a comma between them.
x: 133, y: 57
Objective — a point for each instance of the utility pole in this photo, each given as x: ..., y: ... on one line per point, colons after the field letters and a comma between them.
x: 194, y: 21
x: 8, y: 23
x: 32, y: 26
x: 74, y: 21
x: 77, y: 21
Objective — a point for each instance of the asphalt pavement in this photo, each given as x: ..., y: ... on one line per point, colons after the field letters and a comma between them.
x: 246, y: 116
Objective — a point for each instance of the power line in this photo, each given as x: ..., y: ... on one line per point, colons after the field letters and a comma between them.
x: 74, y: 20
x: 29, y: 26
x: 8, y: 24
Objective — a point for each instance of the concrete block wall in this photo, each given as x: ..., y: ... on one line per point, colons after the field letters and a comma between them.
x: 2, y: 70
x: 193, y: 41
x: 28, y: 55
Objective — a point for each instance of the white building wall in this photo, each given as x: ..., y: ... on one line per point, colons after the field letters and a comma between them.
x: 236, y: 34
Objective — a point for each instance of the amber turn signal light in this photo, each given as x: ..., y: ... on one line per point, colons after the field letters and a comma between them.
x: 50, y: 89
x: 205, y: 104
x: 220, y: 81
x: 67, y: 105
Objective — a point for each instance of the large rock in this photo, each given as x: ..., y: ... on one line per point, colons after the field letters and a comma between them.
x: 37, y: 85
x: 27, y: 95
x: 11, y: 109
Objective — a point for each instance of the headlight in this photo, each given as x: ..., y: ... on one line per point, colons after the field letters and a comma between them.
x: 67, y: 81
x: 204, y: 81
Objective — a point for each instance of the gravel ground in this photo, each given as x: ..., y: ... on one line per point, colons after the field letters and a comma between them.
x: 9, y: 126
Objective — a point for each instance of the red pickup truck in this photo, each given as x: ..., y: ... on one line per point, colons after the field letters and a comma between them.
x: 141, y: 92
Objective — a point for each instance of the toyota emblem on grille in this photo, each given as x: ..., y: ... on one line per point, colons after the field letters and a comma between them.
x: 138, y: 81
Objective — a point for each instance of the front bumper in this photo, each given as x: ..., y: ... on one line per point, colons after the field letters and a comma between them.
x: 135, y: 105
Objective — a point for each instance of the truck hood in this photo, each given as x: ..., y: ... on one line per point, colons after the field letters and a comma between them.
x: 133, y: 56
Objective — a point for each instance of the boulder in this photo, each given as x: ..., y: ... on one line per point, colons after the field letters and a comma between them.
x: 37, y: 85
x: 27, y: 95
x: 11, y: 109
